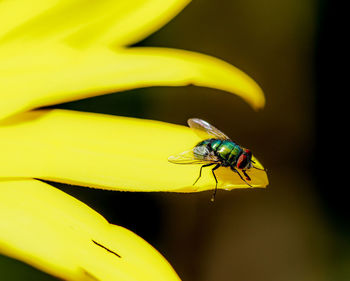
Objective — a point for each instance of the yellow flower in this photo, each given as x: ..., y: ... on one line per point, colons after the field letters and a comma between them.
x: 56, y: 233
x: 54, y: 51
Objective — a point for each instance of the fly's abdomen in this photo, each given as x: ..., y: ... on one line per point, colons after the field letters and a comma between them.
x: 201, y: 151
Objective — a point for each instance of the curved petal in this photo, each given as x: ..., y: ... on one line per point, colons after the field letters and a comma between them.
x: 83, y: 22
x: 108, y: 152
x: 60, y: 235
x: 43, y: 76
x: 15, y: 13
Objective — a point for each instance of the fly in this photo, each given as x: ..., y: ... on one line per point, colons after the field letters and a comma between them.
x: 218, y: 151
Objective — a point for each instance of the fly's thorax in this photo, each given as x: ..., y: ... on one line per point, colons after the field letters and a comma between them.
x: 225, y: 151
x: 228, y: 151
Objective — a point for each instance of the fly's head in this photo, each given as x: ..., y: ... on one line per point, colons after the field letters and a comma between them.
x: 244, y: 161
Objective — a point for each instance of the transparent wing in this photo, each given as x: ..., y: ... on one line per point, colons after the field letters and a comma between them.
x: 187, y: 157
x: 203, y: 128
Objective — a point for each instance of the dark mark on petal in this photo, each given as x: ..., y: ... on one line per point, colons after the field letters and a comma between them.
x: 108, y: 250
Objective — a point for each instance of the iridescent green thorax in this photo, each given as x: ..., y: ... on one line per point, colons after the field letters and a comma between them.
x: 226, y: 150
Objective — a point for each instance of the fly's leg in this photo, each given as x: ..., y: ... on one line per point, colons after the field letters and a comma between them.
x: 216, y: 182
x: 233, y: 169
x: 265, y: 170
x: 200, y: 171
x: 246, y: 175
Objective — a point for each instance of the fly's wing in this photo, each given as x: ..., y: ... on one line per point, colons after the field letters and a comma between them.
x: 204, y: 129
x: 188, y: 157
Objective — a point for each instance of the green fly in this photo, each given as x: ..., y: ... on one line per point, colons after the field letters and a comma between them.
x: 218, y: 151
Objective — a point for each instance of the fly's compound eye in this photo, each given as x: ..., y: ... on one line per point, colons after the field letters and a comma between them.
x: 242, y: 161
x: 248, y: 153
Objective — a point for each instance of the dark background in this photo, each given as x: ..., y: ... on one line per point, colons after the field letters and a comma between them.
x: 296, y: 229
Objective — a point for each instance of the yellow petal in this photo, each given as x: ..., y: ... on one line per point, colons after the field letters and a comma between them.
x: 15, y: 13
x: 45, y: 76
x: 81, y: 23
x: 106, y: 152
x: 58, y: 234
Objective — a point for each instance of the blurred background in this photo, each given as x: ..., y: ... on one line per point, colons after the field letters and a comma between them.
x: 297, y: 228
